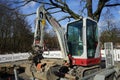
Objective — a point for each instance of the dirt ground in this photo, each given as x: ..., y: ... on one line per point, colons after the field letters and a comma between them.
x: 9, y: 75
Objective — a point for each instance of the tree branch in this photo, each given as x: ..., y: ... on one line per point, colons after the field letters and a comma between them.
x: 97, y: 13
x: 42, y: 2
x: 55, y: 4
x: 89, y: 8
x: 60, y: 1
x: 112, y: 5
x: 65, y: 8
x: 51, y: 8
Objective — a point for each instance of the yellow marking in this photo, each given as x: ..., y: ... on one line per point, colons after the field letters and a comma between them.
x: 43, y: 22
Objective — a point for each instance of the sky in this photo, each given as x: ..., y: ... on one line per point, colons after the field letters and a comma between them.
x: 74, y: 5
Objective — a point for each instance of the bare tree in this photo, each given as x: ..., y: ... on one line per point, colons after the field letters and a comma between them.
x: 15, y: 32
x: 111, y: 30
x: 64, y: 7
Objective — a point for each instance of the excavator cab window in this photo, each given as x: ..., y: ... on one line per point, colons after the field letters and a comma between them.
x: 75, y: 38
x: 92, y: 37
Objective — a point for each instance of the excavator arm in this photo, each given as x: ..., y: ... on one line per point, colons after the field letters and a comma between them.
x: 42, y: 17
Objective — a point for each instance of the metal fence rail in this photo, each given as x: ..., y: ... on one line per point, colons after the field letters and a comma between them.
x: 13, y: 57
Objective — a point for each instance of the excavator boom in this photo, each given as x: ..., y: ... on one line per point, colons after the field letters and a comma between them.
x: 42, y: 17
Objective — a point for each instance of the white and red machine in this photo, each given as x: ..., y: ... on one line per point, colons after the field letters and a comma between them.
x: 80, y: 46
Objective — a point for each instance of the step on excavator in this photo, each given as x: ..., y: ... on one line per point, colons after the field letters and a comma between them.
x: 79, y: 47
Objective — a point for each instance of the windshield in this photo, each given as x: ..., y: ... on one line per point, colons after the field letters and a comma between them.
x: 92, y: 38
x: 74, y: 36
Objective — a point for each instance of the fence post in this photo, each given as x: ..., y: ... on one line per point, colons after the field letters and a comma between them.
x: 109, y: 59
